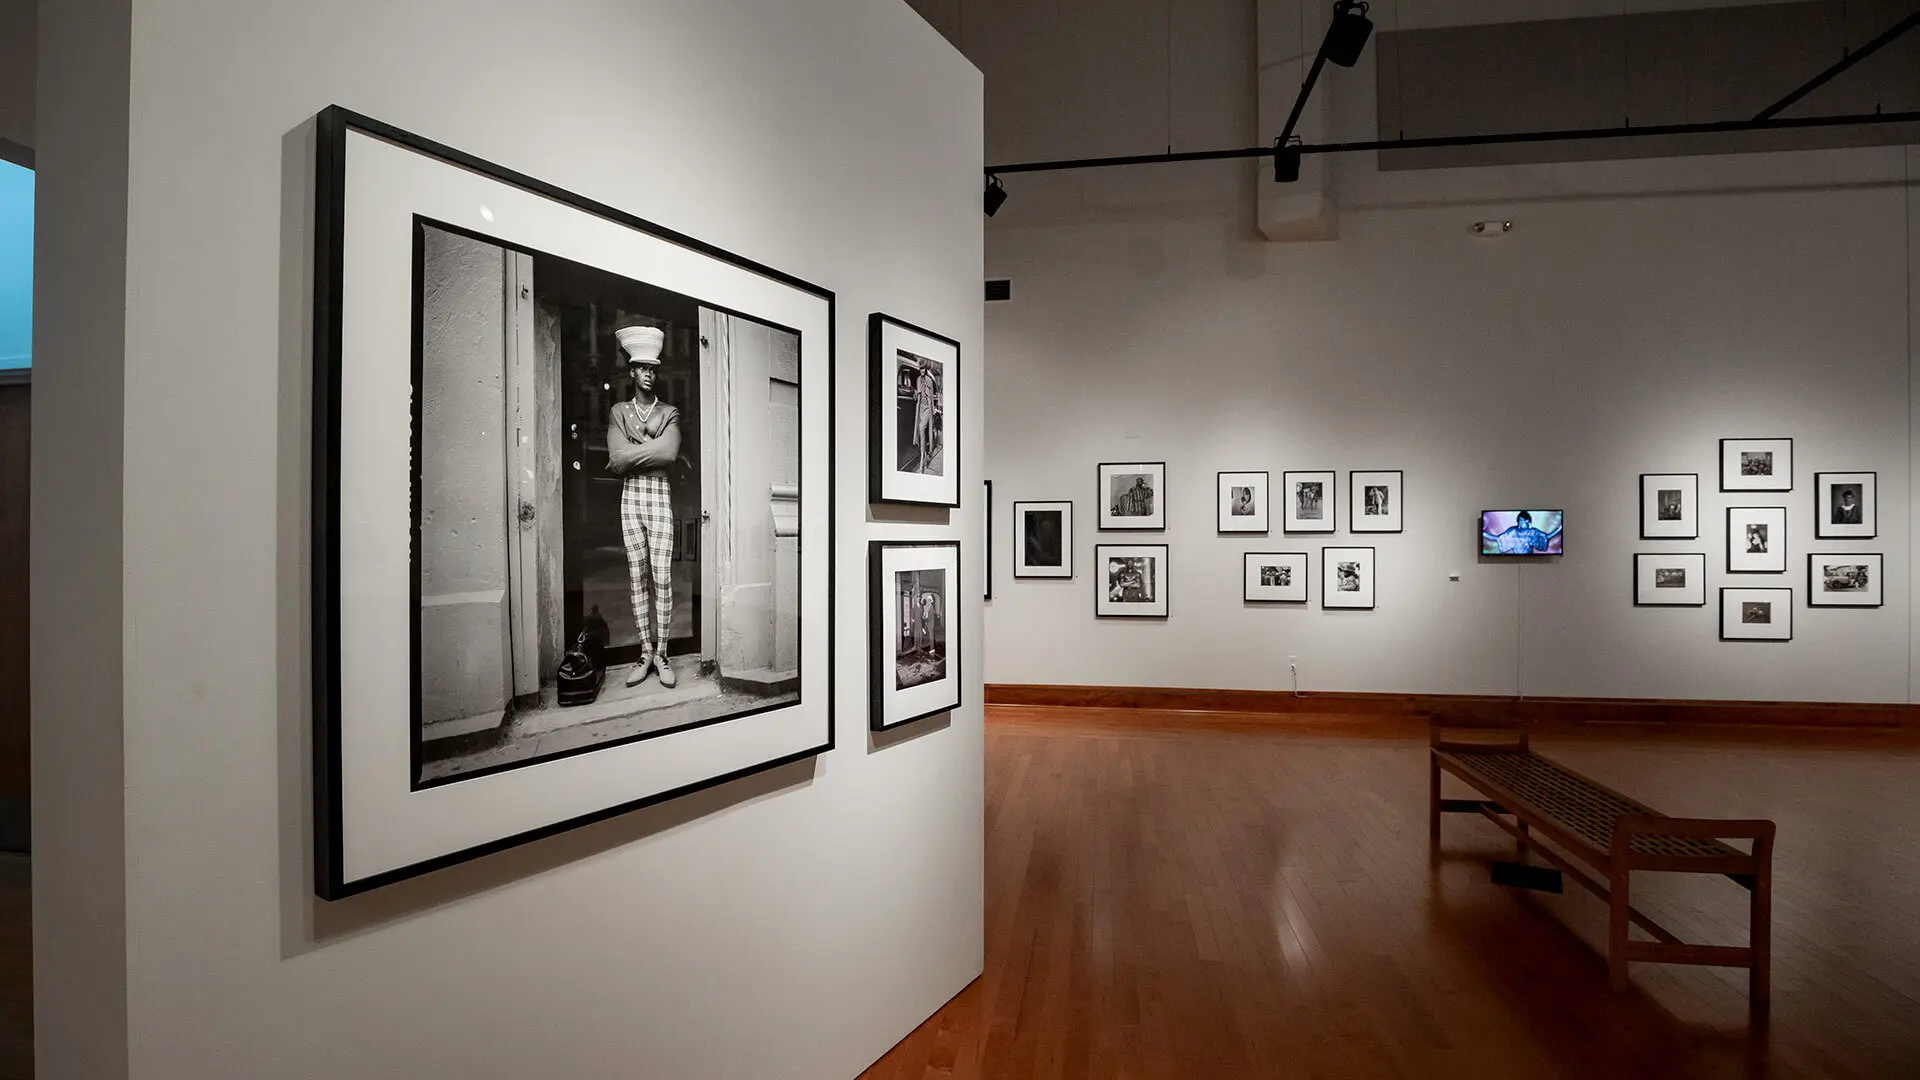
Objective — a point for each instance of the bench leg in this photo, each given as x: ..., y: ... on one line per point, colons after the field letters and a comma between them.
x: 1618, y: 921
x: 1433, y: 800
x: 1760, y: 928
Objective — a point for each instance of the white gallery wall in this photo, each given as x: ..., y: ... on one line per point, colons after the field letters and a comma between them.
x: 795, y: 924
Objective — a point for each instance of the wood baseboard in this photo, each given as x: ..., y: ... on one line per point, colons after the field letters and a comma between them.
x: 1466, y: 709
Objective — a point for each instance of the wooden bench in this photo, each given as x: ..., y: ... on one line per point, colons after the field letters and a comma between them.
x: 1613, y: 834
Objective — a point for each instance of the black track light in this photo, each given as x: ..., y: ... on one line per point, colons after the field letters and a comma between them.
x: 1347, y: 34
x: 1286, y: 160
x: 996, y: 195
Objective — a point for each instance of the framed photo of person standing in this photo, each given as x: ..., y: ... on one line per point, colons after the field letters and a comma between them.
x: 914, y: 419
x: 914, y: 658
x: 1243, y: 502
x: 1376, y: 499
x: 1131, y: 580
x: 1309, y: 506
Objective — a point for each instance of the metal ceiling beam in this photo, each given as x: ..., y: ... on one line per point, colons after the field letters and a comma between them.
x: 1845, y: 62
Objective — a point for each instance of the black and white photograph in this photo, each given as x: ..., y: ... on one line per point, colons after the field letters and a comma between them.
x: 1130, y: 581
x: 1309, y: 506
x: 986, y: 540
x: 1756, y: 614
x: 1275, y: 578
x: 1375, y: 501
x: 914, y: 589
x: 548, y: 481
x: 915, y: 418
x: 1847, y: 580
x: 1846, y: 505
x: 1043, y: 539
x: 1347, y: 578
x: 1133, y: 496
x: 1756, y: 540
x: 1243, y: 502
x: 1670, y: 580
x: 1756, y: 464
x: 1670, y: 506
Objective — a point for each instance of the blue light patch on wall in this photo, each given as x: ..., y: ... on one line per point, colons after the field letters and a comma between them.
x: 16, y: 266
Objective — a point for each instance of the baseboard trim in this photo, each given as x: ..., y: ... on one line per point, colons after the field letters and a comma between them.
x: 1465, y: 708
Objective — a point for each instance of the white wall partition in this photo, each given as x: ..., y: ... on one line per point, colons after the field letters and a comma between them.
x: 794, y: 924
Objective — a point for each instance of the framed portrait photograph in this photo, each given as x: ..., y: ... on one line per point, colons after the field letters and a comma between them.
x: 1756, y: 464
x: 522, y: 401
x: 1309, y: 502
x: 914, y: 414
x: 1275, y: 577
x: 1133, y: 496
x: 913, y: 660
x: 1846, y: 580
x: 1243, y: 502
x: 1756, y: 539
x: 986, y: 540
x: 1043, y: 539
x: 1670, y: 506
x: 1131, y: 581
x: 1846, y: 505
x: 1347, y: 578
x: 1670, y: 580
x: 1756, y: 614
x: 1374, y: 499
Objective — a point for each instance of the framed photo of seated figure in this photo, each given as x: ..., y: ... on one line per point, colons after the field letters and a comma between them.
x: 914, y: 662
x: 914, y: 418
x: 1132, y: 495
x: 1347, y: 578
x: 1846, y: 505
x: 521, y: 397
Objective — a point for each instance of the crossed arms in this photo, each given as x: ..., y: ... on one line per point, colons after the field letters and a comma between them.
x: 627, y: 453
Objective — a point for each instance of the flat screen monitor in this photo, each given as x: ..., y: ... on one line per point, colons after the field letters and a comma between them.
x: 16, y: 267
x: 1522, y: 532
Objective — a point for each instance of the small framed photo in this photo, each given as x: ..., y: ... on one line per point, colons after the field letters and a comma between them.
x: 1846, y: 580
x: 1309, y: 502
x: 1131, y: 581
x: 1275, y: 578
x: 1043, y: 540
x: 1845, y: 505
x: 1664, y: 580
x: 1243, y: 502
x: 915, y: 414
x: 1756, y: 539
x: 914, y: 667
x: 1756, y: 614
x: 1347, y: 578
x: 1375, y: 501
x: 1756, y: 464
x: 1670, y: 506
x: 1133, y: 496
x: 986, y: 541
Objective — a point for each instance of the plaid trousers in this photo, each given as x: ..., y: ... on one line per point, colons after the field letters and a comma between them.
x: 646, y: 526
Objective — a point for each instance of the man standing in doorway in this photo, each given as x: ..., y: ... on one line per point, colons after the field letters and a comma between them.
x: 926, y: 396
x: 643, y: 441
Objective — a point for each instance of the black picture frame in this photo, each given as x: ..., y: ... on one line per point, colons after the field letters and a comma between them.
x: 1783, y: 603
x: 1733, y: 541
x: 878, y: 396
x: 332, y: 127
x: 987, y: 563
x: 1222, y: 515
x: 1331, y: 515
x: 1373, y: 571
x: 1065, y: 508
x: 1306, y: 577
x: 1823, y: 528
x: 1166, y: 584
x: 1729, y: 482
x: 1101, y: 501
x: 1880, y: 561
x: 1356, y: 502
x: 878, y: 661
x: 1634, y: 584
x: 1644, y: 479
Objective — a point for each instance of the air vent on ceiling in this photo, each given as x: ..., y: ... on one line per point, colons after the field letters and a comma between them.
x: 999, y: 289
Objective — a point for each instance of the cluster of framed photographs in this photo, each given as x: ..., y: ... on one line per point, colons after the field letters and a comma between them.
x: 1845, y: 507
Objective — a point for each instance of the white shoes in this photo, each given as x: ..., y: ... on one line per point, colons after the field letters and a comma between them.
x: 665, y: 667
x: 653, y: 662
x: 638, y: 674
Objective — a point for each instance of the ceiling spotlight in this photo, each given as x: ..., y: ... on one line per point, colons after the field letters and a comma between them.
x: 996, y: 195
x: 1490, y: 228
x: 1286, y: 160
x: 1347, y: 34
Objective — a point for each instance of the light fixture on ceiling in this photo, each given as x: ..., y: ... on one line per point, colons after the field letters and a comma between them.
x: 996, y: 196
x: 1286, y: 160
x: 1347, y: 34
x: 1490, y: 228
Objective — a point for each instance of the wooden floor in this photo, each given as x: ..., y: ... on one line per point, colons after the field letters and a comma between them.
x: 1177, y: 895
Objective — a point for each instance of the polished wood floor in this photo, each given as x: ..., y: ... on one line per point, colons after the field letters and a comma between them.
x: 1173, y: 895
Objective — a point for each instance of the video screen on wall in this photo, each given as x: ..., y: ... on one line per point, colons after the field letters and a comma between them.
x: 16, y: 267
x: 1522, y: 532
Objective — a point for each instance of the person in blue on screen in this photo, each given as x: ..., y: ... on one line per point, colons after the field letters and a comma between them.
x: 1522, y: 538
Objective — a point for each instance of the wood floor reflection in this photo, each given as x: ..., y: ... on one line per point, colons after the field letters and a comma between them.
x: 1176, y: 895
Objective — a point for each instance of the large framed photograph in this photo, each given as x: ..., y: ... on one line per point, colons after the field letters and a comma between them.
x: 1756, y: 464
x: 1347, y: 578
x: 1132, y: 581
x: 1846, y: 580
x: 573, y: 510
x: 1670, y: 580
x: 986, y: 540
x: 1670, y: 506
x: 914, y: 419
x: 1243, y: 502
x: 1309, y: 502
x: 1756, y: 539
x: 1756, y: 614
x: 1133, y: 496
x: 1043, y: 539
x: 914, y: 661
x: 1375, y: 501
x: 1846, y: 505
x: 1274, y: 577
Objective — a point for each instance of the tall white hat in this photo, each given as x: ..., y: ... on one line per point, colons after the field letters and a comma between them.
x: 642, y: 343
